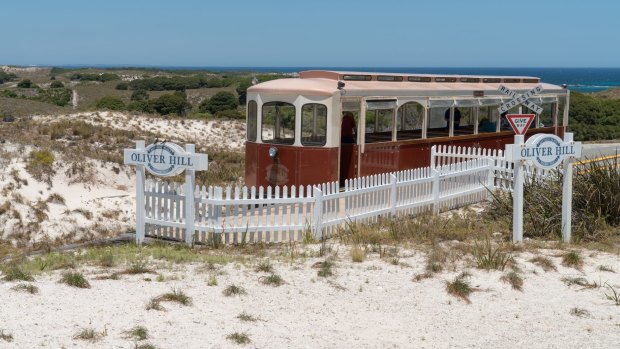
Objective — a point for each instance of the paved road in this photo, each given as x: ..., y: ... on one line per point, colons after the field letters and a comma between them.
x: 591, y: 151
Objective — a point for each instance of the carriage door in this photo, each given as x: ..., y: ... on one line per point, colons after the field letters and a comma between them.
x: 348, y: 141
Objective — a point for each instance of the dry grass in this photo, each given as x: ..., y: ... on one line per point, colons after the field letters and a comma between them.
x: 28, y: 288
x: 245, y: 317
x: 176, y: 296
x: 572, y: 259
x: 138, y: 333
x: 514, y: 279
x: 6, y: 336
x: 239, y: 338
x: 579, y: 312
x: 488, y: 256
x: 234, y: 290
x: 15, y: 273
x: 357, y: 254
x: 75, y: 279
x: 274, y: 280
x: 460, y: 287
x: 90, y: 335
x: 545, y: 263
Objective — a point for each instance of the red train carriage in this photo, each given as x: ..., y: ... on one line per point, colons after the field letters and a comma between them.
x: 330, y: 126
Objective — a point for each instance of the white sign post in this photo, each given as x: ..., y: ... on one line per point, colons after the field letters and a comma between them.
x: 166, y: 159
x: 545, y: 151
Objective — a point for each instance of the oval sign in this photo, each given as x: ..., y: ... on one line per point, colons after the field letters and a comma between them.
x: 542, y: 150
x: 158, y: 157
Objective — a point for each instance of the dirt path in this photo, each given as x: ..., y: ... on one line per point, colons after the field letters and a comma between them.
x: 74, y: 99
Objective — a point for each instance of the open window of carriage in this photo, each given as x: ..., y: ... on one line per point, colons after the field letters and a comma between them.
x: 251, y: 122
x: 313, y: 124
x: 379, y: 120
x: 278, y: 123
x: 438, y: 124
x: 548, y: 116
x: 464, y: 117
x: 488, y: 115
x: 409, y: 121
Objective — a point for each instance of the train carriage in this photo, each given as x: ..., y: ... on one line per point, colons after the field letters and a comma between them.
x: 295, y: 133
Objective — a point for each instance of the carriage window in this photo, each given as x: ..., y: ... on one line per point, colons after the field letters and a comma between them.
x: 278, y: 124
x: 487, y: 119
x: 437, y: 123
x: 546, y: 117
x: 379, y: 125
x: 409, y: 121
x: 463, y: 121
x: 313, y: 124
x: 251, y: 124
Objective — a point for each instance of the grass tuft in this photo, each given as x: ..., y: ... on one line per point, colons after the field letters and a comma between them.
x: 544, y: 262
x: 264, y: 266
x: 489, y: 257
x: 239, y: 338
x: 325, y: 268
x: 176, y: 296
x: 144, y: 346
x: 32, y: 289
x: 234, y: 290
x: 155, y: 304
x: 139, y: 333
x: 578, y: 312
x: 572, y: 259
x: 460, y: 287
x: 212, y: 281
x: 274, y: 280
x: 613, y: 295
x: 247, y: 317
x: 579, y: 281
x: 514, y: 279
x: 357, y: 254
x: 90, y: 335
x: 75, y: 279
x: 607, y: 268
x: 15, y: 273
x: 138, y: 267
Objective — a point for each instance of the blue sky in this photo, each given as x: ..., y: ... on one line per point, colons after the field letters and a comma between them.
x: 386, y: 33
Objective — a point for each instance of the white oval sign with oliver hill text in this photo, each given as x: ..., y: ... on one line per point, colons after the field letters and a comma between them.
x: 165, y: 159
x: 544, y: 150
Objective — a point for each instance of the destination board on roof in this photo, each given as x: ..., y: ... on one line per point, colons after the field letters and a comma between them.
x: 520, y: 123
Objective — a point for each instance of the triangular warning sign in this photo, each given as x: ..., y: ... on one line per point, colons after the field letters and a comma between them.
x: 520, y: 122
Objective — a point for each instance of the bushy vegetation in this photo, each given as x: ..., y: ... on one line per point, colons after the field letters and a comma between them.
x: 4, y: 77
x: 221, y: 101
x: 56, y: 95
x: 596, y: 204
x: 103, y: 77
x: 26, y: 83
x: 57, y: 84
x: 111, y: 103
x: 40, y: 164
x: 122, y: 86
x: 161, y: 83
x: 592, y: 118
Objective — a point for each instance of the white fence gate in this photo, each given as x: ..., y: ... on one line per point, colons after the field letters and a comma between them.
x: 242, y: 214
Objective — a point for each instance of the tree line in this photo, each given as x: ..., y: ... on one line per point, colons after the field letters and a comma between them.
x: 594, y: 118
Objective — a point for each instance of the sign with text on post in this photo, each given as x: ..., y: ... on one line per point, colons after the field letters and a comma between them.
x: 520, y: 123
x: 545, y: 151
x: 165, y: 159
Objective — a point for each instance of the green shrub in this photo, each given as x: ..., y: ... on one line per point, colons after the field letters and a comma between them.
x: 40, y: 164
x: 171, y: 104
x: 111, y: 103
x: 219, y: 102
x: 140, y: 95
x: 4, y: 77
x: 122, y: 86
x: 57, y: 84
x: 26, y: 83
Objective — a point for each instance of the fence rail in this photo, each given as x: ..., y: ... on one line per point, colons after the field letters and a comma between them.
x: 273, y: 214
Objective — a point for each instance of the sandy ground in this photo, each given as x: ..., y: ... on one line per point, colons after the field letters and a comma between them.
x: 373, y: 304
x: 229, y: 134
x: 107, y: 195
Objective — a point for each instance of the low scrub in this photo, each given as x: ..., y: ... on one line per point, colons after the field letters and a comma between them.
x: 40, y: 165
x: 272, y: 280
x: 572, y: 259
x: 28, y: 288
x: 239, y: 338
x: 596, y: 205
x: 460, y: 287
x: 15, y: 273
x: 75, y: 279
x: 234, y: 290
x: 90, y: 335
x: 513, y: 279
x: 488, y: 256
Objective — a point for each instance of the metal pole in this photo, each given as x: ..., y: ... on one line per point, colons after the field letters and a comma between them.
x: 567, y: 193
x: 517, y: 195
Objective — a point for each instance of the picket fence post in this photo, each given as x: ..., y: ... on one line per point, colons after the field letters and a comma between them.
x: 433, y: 154
x: 140, y: 233
x: 435, y: 183
x: 393, y: 181
x: 317, y: 216
x: 490, y: 176
x: 190, y: 204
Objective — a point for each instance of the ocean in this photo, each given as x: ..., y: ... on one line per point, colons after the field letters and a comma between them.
x: 577, y: 79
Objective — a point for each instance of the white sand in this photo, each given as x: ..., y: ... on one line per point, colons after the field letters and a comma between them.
x: 380, y: 307
x: 223, y: 134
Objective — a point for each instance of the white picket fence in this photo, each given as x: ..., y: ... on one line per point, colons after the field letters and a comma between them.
x: 242, y: 214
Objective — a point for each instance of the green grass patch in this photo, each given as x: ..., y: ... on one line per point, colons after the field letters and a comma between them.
x: 75, y: 279
x: 28, y: 288
x: 460, y: 287
x: 234, y: 290
x: 239, y: 338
